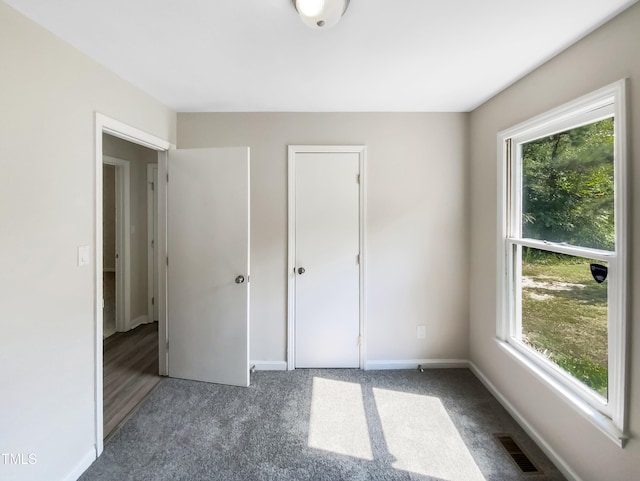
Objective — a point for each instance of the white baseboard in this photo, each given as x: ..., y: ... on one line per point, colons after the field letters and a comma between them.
x: 414, y: 363
x: 138, y: 321
x: 109, y: 269
x: 82, y: 465
x: 269, y: 365
x: 560, y: 463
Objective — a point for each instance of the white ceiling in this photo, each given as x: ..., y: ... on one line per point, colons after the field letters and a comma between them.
x: 384, y: 55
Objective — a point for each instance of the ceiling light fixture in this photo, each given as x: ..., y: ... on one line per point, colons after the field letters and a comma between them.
x: 321, y: 13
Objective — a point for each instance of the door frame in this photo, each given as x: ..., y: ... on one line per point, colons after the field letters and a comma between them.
x: 151, y: 259
x: 107, y: 125
x: 123, y: 240
x: 293, y: 150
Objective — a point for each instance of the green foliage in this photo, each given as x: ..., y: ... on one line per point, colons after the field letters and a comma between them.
x: 568, y: 196
x: 568, y: 193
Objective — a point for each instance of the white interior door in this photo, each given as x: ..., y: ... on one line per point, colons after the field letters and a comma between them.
x: 327, y: 273
x: 208, y: 271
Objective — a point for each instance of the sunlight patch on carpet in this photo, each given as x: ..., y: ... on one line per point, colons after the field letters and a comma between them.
x: 338, y: 423
x: 421, y: 436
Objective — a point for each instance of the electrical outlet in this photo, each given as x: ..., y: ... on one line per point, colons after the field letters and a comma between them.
x: 421, y: 332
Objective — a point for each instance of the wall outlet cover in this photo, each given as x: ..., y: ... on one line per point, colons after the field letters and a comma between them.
x: 83, y: 256
x: 421, y: 332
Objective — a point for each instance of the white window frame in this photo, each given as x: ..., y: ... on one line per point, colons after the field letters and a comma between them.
x: 608, y: 415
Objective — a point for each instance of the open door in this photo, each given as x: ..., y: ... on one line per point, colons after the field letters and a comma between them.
x: 208, y: 265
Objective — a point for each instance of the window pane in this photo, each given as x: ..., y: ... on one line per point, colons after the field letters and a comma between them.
x: 564, y: 314
x: 567, y: 187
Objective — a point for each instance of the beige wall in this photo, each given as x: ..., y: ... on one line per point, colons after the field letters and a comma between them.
x: 608, y: 54
x: 138, y: 157
x: 421, y: 202
x: 108, y: 217
x: 417, y: 222
x: 49, y: 93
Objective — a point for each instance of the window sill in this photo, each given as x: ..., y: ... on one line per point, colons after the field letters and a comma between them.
x: 599, y: 420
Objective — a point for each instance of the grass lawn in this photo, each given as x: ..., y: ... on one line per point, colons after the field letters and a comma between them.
x: 564, y: 317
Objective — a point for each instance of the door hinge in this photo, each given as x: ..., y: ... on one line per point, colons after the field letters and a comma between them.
x: 167, y: 344
x: 167, y: 260
x: 358, y: 259
x: 359, y: 341
x: 153, y: 186
x: 153, y: 243
x: 153, y: 301
x: 167, y: 176
x: 358, y: 178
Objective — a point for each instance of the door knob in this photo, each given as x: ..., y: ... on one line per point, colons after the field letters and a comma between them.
x: 301, y: 270
x: 239, y: 279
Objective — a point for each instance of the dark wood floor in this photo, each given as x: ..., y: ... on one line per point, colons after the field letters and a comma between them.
x: 130, y: 372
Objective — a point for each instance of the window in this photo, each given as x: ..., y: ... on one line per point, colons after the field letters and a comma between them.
x: 562, y: 251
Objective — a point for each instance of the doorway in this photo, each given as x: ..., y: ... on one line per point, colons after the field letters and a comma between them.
x: 221, y: 175
x: 131, y: 354
x: 326, y: 257
x: 115, y: 128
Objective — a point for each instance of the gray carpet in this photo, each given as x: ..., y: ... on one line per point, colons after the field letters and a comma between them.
x: 319, y: 425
